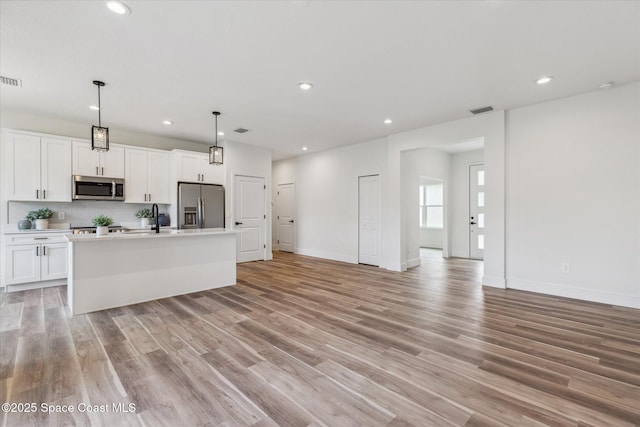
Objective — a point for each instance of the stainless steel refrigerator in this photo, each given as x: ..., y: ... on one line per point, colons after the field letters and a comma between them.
x: 200, y: 205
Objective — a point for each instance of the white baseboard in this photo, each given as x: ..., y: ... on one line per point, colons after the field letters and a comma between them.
x: 413, y: 262
x: 595, y: 295
x: 494, y: 281
x: 327, y: 255
x: 35, y: 285
x: 393, y: 266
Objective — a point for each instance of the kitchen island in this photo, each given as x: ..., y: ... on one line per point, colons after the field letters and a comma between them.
x: 128, y: 268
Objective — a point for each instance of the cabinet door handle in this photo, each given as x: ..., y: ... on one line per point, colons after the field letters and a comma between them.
x: 102, y: 169
x: 202, y: 178
x: 37, y: 250
x: 44, y: 194
x: 37, y: 194
x: 149, y: 196
x: 44, y: 250
x: 145, y: 197
x: 97, y: 173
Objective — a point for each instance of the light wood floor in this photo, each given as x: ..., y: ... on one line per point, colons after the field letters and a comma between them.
x: 303, y: 341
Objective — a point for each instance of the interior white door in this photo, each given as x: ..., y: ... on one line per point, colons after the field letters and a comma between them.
x: 476, y: 211
x: 369, y: 219
x: 249, y: 217
x: 286, y: 202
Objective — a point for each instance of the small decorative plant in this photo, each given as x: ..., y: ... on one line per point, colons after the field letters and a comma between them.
x: 144, y: 213
x: 44, y: 213
x: 102, y: 221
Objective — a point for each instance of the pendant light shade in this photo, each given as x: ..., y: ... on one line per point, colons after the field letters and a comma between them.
x: 215, y: 152
x: 99, y: 134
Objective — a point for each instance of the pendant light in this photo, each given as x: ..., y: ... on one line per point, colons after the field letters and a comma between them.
x: 99, y: 134
x: 215, y: 152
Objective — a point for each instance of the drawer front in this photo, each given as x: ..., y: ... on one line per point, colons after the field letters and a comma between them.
x: 34, y: 239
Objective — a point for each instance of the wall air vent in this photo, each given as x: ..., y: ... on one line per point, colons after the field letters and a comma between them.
x: 11, y: 82
x: 241, y: 130
x: 481, y: 110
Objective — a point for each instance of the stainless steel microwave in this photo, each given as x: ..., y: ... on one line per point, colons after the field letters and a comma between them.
x: 97, y: 188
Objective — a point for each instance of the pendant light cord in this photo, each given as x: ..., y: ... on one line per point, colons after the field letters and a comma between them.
x: 99, y: 109
x: 216, y: 130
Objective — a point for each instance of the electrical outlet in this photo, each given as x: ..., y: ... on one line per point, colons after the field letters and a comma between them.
x: 565, y: 268
x: 60, y: 215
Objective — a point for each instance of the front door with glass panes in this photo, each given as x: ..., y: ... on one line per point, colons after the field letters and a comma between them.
x: 476, y: 211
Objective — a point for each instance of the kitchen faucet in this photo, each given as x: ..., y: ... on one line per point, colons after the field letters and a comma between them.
x: 155, y: 213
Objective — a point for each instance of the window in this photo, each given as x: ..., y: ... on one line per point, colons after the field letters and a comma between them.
x: 431, y: 206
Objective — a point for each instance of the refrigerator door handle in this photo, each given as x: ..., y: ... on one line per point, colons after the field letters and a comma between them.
x: 202, y: 225
x: 198, y: 213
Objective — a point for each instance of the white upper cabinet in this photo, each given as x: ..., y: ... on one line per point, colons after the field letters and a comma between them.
x: 88, y: 162
x: 38, y: 168
x: 146, y: 176
x: 55, y: 165
x: 195, y: 167
x: 158, y: 177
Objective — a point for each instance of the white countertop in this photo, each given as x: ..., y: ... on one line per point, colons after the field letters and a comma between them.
x: 56, y: 228
x: 148, y: 234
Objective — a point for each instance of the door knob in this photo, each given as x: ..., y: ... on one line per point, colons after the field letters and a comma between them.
x: 238, y: 223
x: 291, y: 221
x: 473, y: 223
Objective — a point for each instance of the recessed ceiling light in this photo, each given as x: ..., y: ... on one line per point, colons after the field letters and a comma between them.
x: 118, y: 7
x: 221, y: 133
x: 544, y: 80
x: 607, y: 85
x: 167, y: 122
x: 94, y: 107
x: 305, y: 148
x: 388, y: 121
x: 305, y: 85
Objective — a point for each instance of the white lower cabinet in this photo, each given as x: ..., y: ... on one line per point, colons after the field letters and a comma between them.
x: 35, y: 259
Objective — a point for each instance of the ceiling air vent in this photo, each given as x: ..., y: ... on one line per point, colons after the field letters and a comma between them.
x: 11, y: 82
x: 241, y: 130
x: 481, y: 110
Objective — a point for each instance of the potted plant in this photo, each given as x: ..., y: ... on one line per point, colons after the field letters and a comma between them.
x: 144, y: 215
x: 102, y: 224
x: 41, y: 218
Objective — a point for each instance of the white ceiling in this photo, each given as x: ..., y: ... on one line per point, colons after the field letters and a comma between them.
x: 419, y: 63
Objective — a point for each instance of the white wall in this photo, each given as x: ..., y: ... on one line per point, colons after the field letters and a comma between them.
x: 574, y: 196
x: 459, y: 201
x: 35, y: 123
x: 489, y: 126
x: 327, y: 196
x: 432, y: 163
x: 248, y: 160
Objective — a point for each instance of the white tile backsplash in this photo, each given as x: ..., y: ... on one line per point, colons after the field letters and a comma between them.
x: 81, y: 212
